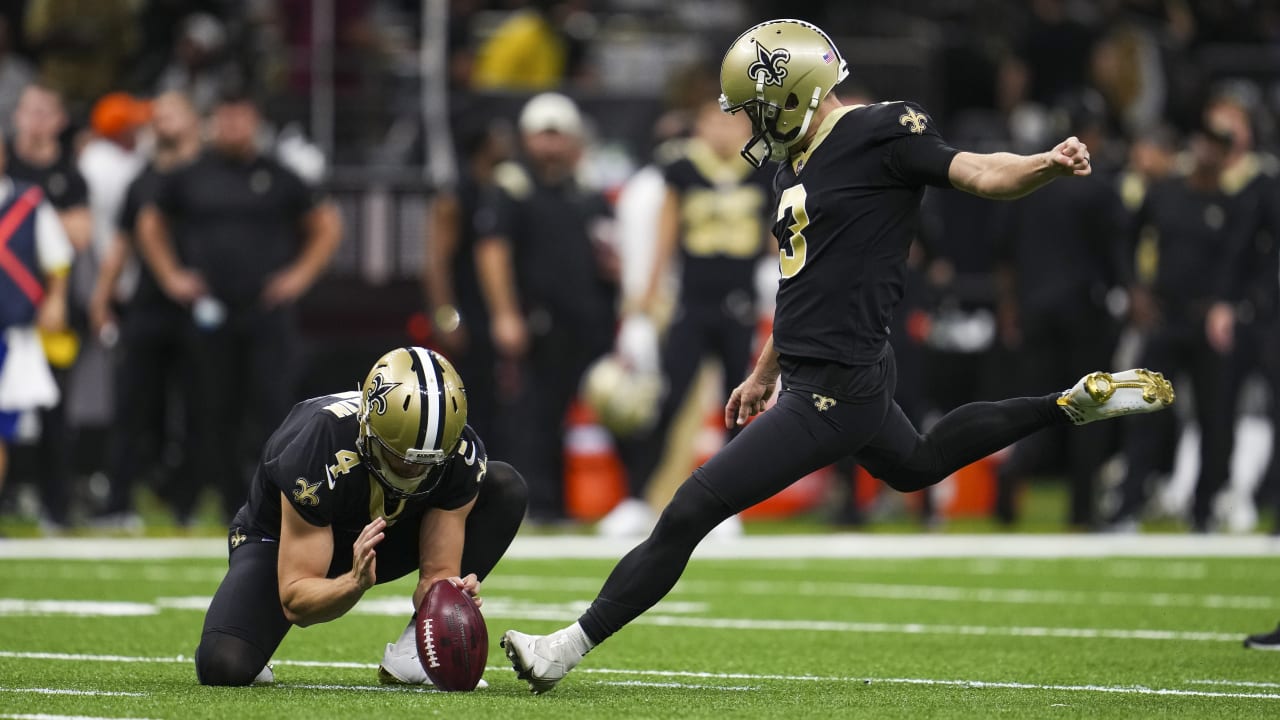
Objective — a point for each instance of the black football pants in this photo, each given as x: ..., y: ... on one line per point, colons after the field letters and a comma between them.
x: 789, y: 441
x: 245, y: 622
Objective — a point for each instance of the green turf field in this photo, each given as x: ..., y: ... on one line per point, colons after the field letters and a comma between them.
x: 793, y: 638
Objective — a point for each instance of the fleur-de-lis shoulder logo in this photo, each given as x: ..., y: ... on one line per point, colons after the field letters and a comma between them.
x: 913, y: 120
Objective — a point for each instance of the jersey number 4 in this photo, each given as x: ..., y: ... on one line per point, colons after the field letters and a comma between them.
x: 793, y: 250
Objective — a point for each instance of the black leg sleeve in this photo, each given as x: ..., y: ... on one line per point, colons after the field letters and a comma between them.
x: 245, y: 623
x: 647, y: 573
x: 908, y: 461
x: 494, y: 520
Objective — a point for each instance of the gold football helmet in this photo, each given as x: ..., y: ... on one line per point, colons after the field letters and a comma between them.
x: 778, y: 72
x: 412, y: 411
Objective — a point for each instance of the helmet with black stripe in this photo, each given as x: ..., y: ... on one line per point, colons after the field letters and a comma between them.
x: 778, y: 72
x: 412, y: 411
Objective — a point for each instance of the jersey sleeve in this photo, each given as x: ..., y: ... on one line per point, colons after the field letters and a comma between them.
x: 301, y: 472
x: 917, y: 154
x: 496, y: 215
x: 467, y: 472
x: 679, y: 174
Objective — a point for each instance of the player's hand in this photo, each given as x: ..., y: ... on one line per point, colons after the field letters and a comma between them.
x: 284, y: 287
x: 748, y: 399
x: 1220, y: 326
x: 469, y: 585
x: 364, y: 559
x: 510, y: 334
x: 183, y: 286
x: 1071, y: 157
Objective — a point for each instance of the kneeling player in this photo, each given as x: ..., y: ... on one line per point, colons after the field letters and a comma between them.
x: 356, y: 489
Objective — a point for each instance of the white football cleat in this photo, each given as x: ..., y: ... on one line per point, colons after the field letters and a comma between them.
x: 400, y: 665
x: 541, y: 660
x: 1101, y: 395
x: 265, y: 676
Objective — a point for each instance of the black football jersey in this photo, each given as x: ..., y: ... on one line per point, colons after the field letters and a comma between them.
x: 847, y: 210
x: 723, y: 206
x: 312, y: 459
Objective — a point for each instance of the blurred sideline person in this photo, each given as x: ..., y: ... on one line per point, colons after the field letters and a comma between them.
x: 549, y: 275
x: 1057, y: 266
x: 35, y: 258
x: 238, y: 238
x: 711, y: 226
x: 151, y: 367
x: 353, y: 490
x: 1244, y: 323
x: 35, y: 155
x: 455, y: 302
x: 1181, y: 236
x: 849, y: 188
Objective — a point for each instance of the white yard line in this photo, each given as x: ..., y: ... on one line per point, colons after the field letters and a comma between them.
x: 848, y: 546
x: 675, y: 685
x: 43, y: 716
x: 895, y: 591
x: 1236, y: 683
x: 66, y: 691
x: 562, y: 612
x: 750, y: 677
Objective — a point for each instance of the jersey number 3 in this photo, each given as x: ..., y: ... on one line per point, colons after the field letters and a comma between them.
x: 793, y: 250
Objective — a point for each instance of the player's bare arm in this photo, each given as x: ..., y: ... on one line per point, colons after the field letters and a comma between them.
x: 307, y: 596
x: 440, y: 540
x: 1006, y: 176
x: 750, y: 397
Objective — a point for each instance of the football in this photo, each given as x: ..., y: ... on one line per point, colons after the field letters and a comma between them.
x: 453, y: 642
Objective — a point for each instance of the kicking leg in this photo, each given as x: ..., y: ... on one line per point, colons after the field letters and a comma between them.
x: 785, y: 443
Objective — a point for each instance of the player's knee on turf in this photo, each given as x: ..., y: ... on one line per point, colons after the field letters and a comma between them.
x: 225, y: 659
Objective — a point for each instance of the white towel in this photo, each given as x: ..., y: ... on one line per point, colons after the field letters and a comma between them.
x: 25, y: 379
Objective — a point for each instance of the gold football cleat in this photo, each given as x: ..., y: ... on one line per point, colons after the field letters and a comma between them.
x: 1101, y: 395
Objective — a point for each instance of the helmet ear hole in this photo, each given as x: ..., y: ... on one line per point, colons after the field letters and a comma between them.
x: 792, y: 103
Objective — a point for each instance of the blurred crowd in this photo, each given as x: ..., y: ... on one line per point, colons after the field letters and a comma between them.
x: 559, y: 270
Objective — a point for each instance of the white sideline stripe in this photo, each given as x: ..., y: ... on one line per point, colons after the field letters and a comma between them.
x: 66, y: 691
x: 844, y: 545
x: 1235, y: 683
x: 1120, y: 689
x: 894, y: 591
x: 977, y: 684
x: 674, y: 685
x: 42, y: 716
x: 568, y: 613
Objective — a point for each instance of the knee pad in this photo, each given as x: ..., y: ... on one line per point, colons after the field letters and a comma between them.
x: 223, y: 659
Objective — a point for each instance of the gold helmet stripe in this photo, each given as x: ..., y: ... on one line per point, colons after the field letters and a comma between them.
x: 430, y: 399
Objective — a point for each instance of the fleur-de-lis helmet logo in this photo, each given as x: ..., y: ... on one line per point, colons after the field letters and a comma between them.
x: 770, y: 65
x: 378, y: 391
